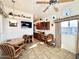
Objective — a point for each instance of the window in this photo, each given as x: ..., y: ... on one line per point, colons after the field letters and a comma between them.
x: 69, y: 27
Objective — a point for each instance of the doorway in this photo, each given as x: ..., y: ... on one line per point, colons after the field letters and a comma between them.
x: 69, y: 35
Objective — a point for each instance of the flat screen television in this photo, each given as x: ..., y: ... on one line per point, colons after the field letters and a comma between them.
x: 25, y: 24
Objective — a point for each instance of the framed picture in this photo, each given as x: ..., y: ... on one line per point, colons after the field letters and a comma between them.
x: 12, y: 24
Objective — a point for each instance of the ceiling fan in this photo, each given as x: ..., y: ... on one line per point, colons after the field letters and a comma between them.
x: 52, y: 2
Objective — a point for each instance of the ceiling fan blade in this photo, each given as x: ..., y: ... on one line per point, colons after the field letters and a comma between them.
x: 56, y: 9
x: 62, y: 1
x: 46, y: 8
x: 40, y: 2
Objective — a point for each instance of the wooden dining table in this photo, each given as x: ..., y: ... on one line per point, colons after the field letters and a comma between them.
x: 16, y: 41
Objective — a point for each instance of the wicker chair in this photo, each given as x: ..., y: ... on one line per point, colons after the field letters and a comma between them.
x: 50, y: 39
x: 25, y: 38
x: 9, y: 51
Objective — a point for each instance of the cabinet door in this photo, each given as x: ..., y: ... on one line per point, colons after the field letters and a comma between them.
x: 39, y: 25
x: 48, y: 26
x: 43, y: 26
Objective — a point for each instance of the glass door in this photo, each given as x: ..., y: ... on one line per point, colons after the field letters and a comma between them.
x: 69, y: 35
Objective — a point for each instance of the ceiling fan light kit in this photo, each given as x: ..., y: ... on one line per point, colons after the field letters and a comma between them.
x: 56, y: 9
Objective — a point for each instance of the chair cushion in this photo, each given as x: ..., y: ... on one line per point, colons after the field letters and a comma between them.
x: 49, y: 40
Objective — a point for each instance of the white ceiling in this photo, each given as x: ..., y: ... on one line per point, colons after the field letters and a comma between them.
x: 29, y: 6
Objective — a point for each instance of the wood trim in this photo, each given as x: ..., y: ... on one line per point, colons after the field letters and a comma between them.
x: 63, y: 1
x: 42, y: 2
x: 77, y: 46
x: 58, y: 34
x: 67, y: 19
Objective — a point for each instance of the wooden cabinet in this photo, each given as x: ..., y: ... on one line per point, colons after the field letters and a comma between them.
x: 40, y: 36
x: 43, y: 26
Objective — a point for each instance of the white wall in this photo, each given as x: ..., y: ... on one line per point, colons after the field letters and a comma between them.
x: 1, y: 29
x: 16, y: 32
x: 0, y: 24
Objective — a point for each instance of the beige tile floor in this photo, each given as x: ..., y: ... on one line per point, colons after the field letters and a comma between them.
x: 39, y: 50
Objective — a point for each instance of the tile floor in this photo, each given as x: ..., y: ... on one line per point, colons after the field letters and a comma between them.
x: 39, y: 50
